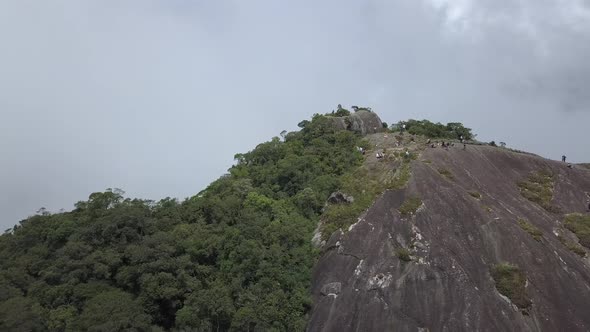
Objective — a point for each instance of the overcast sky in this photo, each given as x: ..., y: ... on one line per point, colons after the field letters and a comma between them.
x: 156, y: 97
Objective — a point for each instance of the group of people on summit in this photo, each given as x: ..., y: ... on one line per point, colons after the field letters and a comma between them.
x: 446, y: 145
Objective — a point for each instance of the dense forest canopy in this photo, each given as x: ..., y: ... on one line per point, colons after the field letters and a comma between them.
x: 237, y: 256
x: 452, y: 130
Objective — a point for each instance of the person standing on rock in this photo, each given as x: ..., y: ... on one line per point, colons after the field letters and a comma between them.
x: 563, y: 158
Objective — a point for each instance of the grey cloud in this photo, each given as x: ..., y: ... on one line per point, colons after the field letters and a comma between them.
x: 156, y: 97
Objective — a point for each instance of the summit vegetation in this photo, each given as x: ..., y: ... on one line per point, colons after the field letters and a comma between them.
x: 452, y: 130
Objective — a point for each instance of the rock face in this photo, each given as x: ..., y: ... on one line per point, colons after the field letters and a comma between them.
x: 454, y: 240
x: 332, y: 288
x: 363, y: 122
x: 340, y: 198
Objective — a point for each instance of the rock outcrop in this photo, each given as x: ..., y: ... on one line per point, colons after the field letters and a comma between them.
x: 339, y: 197
x: 363, y: 122
x: 332, y: 288
x: 431, y: 271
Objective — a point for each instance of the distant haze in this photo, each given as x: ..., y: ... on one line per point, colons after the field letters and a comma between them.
x: 156, y: 97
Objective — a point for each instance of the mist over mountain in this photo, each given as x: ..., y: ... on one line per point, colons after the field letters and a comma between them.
x: 98, y: 95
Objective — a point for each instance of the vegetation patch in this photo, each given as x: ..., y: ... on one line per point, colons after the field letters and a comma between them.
x: 510, y: 282
x: 538, y: 188
x: 521, y: 152
x: 401, y: 177
x: 411, y: 156
x: 410, y: 206
x: 579, y: 224
x: 446, y: 173
x: 531, y: 229
x: 452, y: 130
x: 365, y: 184
x: 572, y: 246
x: 475, y: 194
x: 403, y: 254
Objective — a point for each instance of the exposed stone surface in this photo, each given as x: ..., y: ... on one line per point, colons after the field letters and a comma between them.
x: 454, y: 242
x: 363, y: 122
x: 316, y: 240
x: 332, y: 288
x: 339, y: 198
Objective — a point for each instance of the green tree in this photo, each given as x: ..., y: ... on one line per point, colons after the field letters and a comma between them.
x: 113, y: 311
x: 21, y: 314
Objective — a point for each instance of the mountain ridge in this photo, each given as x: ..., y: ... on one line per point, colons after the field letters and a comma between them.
x: 238, y: 255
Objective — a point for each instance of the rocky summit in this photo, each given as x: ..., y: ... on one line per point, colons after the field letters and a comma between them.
x: 364, y: 122
x: 480, y: 238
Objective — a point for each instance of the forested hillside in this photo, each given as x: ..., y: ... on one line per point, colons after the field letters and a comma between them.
x: 235, y: 256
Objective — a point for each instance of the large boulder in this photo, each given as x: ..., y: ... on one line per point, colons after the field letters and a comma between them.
x: 363, y: 122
